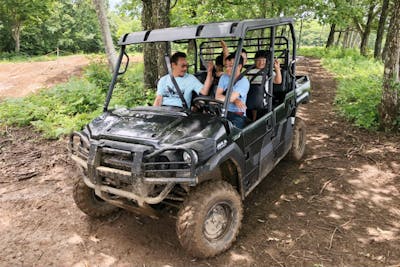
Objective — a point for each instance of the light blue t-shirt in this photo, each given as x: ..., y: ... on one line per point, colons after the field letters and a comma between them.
x: 188, y: 83
x: 242, y: 87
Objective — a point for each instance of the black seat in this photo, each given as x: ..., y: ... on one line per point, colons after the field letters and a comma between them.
x: 280, y: 90
x: 255, y: 97
x: 201, y: 76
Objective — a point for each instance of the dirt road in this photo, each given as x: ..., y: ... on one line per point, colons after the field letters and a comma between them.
x: 339, y: 207
x: 21, y: 79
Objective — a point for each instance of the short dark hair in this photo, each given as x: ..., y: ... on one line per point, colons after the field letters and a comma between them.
x: 261, y: 53
x: 232, y: 56
x: 243, y: 51
x: 219, y: 61
x: 175, y: 57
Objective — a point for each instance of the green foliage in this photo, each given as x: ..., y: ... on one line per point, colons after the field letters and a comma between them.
x: 313, y: 33
x: 15, y: 15
x: 70, y: 106
x: 129, y: 91
x: 56, y: 111
x: 22, y: 57
x: 359, y: 83
x: 70, y: 25
x: 99, y: 74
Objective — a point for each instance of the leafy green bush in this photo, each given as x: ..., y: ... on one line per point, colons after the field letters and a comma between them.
x: 129, y: 90
x: 68, y: 107
x: 57, y: 111
x: 99, y: 74
x: 359, y: 83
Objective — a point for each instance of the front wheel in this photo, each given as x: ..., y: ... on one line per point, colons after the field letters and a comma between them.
x: 298, y: 148
x: 88, y: 202
x: 210, y: 218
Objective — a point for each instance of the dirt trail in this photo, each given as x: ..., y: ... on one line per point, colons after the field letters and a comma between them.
x: 339, y: 207
x: 21, y: 79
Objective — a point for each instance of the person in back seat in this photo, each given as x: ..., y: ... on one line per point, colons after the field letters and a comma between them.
x: 236, y: 107
x: 225, y: 52
x: 188, y: 83
x: 256, y: 77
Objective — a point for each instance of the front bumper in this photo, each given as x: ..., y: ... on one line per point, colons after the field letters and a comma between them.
x: 129, y: 170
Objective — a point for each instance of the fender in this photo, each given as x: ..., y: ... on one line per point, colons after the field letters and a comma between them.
x: 232, y: 152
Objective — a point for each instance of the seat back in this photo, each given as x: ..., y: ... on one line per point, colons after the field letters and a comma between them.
x: 280, y: 90
x: 255, y: 97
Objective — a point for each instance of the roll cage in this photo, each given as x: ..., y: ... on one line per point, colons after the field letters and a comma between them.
x: 235, y: 31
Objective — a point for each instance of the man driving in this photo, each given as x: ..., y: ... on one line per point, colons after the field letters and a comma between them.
x: 167, y: 94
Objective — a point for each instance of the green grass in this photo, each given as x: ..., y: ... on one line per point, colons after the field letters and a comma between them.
x: 68, y: 107
x: 21, y: 57
x: 359, y: 83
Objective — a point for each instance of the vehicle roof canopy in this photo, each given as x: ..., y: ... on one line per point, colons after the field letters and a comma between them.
x: 236, y: 29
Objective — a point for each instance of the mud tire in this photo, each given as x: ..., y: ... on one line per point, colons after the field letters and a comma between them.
x: 298, y: 148
x: 196, y: 228
x: 89, y: 203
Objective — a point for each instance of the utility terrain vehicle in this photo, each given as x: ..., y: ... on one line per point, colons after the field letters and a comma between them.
x: 144, y: 159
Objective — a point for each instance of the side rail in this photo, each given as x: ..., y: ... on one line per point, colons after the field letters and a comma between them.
x: 209, y: 50
x: 302, y: 90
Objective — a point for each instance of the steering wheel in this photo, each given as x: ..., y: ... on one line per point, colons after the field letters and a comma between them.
x: 207, y: 104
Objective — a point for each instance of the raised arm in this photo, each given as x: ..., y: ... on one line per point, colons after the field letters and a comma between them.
x: 209, y: 79
x: 225, y: 49
x: 278, y: 75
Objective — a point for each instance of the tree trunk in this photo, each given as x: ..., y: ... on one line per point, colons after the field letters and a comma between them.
x: 300, y: 32
x: 354, y: 39
x: 155, y: 15
x: 331, y: 37
x: 16, y: 33
x: 390, y: 102
x: 381, y: 28
x: 385, y: 50
x: 106, y: 34
x: 149, y: 50
x: 367, y: 30
x: 162, y: 18
x: 346, y: 37
x: 338, y: 39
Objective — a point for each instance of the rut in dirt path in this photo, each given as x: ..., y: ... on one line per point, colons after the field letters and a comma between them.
x: 340, y: 206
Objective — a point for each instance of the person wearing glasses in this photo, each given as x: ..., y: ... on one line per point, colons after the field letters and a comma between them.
x: 236, y: 107
x: 188, y: 83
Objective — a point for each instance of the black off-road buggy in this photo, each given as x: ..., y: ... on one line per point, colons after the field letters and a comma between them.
x: 145, y: 158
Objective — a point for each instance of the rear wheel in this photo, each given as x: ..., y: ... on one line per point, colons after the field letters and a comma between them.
x: 209, y: 220
x: 88, y: 202
x: 298, y: 148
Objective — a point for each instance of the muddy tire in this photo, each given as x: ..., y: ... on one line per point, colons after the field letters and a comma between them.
x: 209, y: 219
x: 89, y: 203
x: 298, y: 148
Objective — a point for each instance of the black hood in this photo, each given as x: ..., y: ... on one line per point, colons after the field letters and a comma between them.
x: 156, y: 126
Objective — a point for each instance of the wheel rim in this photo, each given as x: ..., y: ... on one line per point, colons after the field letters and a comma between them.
x: 218, y: 221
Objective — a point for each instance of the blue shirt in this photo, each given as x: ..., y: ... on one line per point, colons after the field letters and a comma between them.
x: 188, y: 83
x: 242, y: 87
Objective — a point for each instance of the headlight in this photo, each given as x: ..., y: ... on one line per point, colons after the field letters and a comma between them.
x: 190, y: 159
